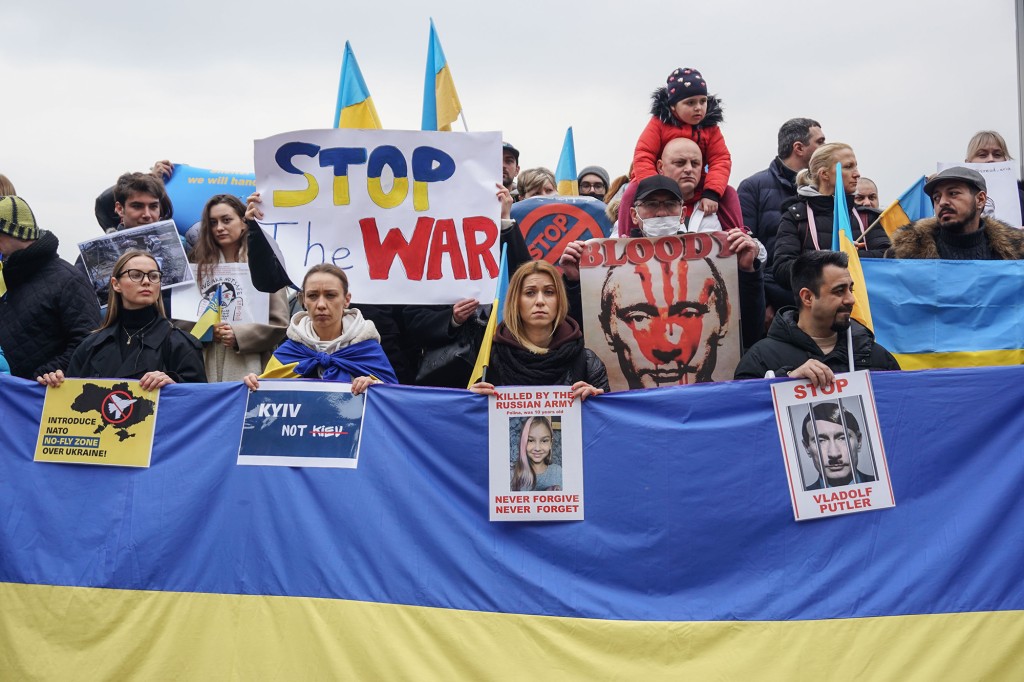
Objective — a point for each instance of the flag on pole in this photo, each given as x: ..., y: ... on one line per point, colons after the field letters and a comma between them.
x: 497, y: 315
x: 565, y: 172
x: 842, y: 240
x: 355, y: 106
x: 203, y: 329
x: 441, y: 106
x: 912, y: 205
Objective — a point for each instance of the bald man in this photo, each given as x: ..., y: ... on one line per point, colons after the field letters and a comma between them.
x: 682, y: 161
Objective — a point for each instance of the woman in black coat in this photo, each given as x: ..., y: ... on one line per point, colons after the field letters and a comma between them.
x: 815, y: 205
x: 538, y: 344
x: 136, y: 340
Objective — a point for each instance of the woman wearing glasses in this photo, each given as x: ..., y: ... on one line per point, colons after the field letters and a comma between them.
x: 136, y: 340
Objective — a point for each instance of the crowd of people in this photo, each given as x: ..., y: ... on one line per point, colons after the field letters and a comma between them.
x: 796, y: 294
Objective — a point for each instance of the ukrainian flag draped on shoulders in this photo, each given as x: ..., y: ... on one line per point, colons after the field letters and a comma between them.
x: 842, y: 240
x: 357, y: 352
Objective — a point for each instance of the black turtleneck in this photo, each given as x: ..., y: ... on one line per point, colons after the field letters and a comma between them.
x: 133, y: 327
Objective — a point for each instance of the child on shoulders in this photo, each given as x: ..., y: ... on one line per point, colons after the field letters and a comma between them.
x: 683, y: 109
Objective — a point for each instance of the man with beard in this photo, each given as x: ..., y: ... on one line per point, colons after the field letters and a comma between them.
x: 958, y: 231
x: 816, y: 340
x: 509, y: 167
x: 832, y: 441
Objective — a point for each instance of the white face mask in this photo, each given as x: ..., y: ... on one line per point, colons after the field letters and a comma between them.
x: 662, y: 226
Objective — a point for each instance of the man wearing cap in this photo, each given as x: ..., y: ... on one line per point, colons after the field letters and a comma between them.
x: 46, y: 305
x: 658, y: 210
x: 509, y: 166
x: 958, y: 231
x: 593, y: 182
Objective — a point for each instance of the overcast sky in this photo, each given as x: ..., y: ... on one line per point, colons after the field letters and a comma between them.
x: 95, y: 89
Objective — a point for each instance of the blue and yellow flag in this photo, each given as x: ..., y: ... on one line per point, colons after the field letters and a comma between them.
x: 565, y: 172
x: 497, y: 315
x: 441, y: 106
x: 912, y: 205
x: 687, y: 566
x: 203, y: 329
x: 355, y: 107
x: 842, y: 240
x: 936, y: 313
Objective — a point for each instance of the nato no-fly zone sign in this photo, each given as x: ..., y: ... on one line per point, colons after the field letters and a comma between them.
x: 92, y: 421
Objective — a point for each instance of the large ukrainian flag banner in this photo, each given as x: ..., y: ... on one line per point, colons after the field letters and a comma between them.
x: 937, y: 313
x: 689, y: 564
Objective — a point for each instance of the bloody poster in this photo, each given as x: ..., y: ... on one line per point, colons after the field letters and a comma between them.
x: 662, y: 312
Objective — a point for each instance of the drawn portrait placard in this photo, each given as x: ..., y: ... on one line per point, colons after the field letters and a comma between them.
x: 664, y: 311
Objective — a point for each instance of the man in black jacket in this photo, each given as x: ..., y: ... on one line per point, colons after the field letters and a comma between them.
x: 762, y: 194
x: 814, y: 341
x: 46, y: 306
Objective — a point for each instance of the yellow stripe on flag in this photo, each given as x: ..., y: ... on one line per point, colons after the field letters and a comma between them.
x: 448, y: 105
x: 568, y: 188
x: 361, y: 115
x: 276, y: 370
x: 60, y: 633
x: 893, y: 218
x: 979, y: 358
x: 861, y: 306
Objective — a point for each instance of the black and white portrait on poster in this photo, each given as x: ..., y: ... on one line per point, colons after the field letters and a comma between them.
x: 832, y: 445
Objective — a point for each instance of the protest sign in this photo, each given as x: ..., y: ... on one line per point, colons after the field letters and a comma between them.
x: 662, y: 312
x: 92, y: 421
x: 241, y: 302
x: 536, y: 454
x: 298, y: 423
x: 832, y: 445
x: 190, y: 188
x: 1003, y: 196
x: 410, y: 216
x: 160, y: 239
x: 549, y: 223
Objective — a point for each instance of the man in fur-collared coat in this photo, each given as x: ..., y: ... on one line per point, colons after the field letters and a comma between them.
x: 958, y: 231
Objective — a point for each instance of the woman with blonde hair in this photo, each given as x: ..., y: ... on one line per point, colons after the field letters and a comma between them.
x: 807, y: 220
x: 237, y: 348
x: 538, y: 344
x: 988, y: 146
x: 534, y: 182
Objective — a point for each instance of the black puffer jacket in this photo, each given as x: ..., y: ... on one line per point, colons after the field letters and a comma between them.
x: 761, y: 197
x: 787, y: 347
x: 794, y: 235
x: 49, y: 308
